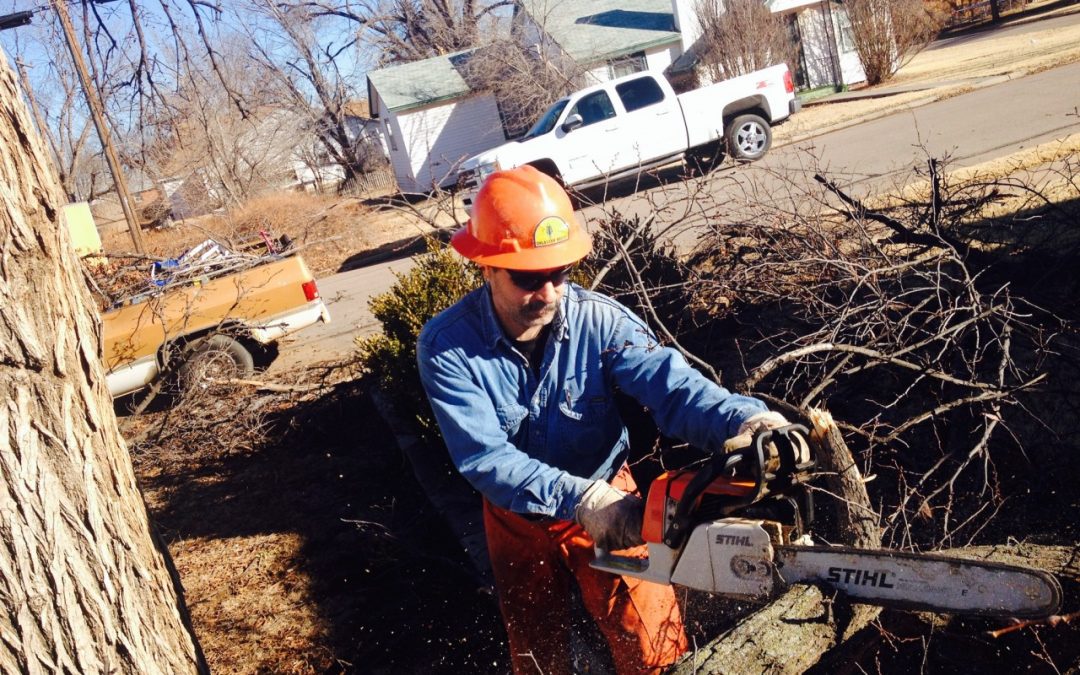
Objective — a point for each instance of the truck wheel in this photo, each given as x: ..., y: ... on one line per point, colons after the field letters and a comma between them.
x: 748, y: 137
x: 216, y: 357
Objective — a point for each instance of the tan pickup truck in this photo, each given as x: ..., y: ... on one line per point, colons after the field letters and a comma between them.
x: 208, y: 327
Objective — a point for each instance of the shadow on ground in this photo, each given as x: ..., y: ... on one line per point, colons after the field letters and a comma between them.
x: 385, y: 577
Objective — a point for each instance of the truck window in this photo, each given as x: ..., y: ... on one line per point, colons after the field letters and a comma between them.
x: 639, y: 93
x: 547, y: 122
x: 594, y: 107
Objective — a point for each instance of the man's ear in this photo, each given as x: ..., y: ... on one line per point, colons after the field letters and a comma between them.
x: 487, y: 271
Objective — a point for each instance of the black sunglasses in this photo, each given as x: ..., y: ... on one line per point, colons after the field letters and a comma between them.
x: 534, y: 281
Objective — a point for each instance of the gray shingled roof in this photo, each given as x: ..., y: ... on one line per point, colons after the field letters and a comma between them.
x: 590, y: 31
x: 410, y: 85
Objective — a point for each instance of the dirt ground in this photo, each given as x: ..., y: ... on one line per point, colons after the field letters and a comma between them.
x: 302, y: 540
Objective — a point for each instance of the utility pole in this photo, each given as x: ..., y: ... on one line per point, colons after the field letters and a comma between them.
x: 39, y: 119
x: 96, y: 111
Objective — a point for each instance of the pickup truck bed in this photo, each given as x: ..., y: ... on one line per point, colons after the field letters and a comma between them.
x: 259, y: 305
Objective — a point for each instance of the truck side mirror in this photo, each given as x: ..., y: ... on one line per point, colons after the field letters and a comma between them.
x: 572, y: 122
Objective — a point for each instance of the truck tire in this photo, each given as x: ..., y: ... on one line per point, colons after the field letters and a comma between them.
x: 217, y: 357
x: 748, y: 137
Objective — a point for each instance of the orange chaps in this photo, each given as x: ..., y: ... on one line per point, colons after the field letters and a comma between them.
x: 534, y: 565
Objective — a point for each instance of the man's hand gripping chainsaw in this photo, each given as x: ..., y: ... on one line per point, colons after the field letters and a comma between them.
x: 738, y: 526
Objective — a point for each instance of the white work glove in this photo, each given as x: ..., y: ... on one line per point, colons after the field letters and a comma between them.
x: 610, y: 516
x: 763, y: 421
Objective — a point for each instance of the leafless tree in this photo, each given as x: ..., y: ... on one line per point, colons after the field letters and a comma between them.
x: 888, y: 33
x: 411, y: 30
x: 524, y: 80
x: 741, y: 36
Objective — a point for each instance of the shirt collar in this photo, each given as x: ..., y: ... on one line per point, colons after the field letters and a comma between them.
x: 492, y: 331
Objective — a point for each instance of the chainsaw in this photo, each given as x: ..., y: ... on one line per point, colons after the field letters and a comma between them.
x: 739, y: 527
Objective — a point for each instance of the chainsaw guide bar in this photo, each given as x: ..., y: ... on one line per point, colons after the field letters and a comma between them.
x: 739, y: 527
x: 920, y: 581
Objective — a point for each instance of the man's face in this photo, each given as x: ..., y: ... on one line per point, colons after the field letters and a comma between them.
x: 525, y: 302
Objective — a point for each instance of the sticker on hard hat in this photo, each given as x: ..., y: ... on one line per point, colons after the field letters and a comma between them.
x: 551, y: 230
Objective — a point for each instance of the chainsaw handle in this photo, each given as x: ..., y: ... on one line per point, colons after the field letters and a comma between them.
x: 728, y: 464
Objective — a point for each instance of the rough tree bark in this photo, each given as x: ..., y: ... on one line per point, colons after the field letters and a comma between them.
x: 83, y: 586
x: 792, y: 633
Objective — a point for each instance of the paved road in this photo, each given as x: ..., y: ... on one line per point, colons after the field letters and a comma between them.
x: 866, y: 158
x: 971, y: 128
x: 346, y: 295
x: 877, y: 155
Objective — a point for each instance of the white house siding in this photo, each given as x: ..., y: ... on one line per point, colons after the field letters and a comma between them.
x: 815, y: 44
x: 659, y: 58
x: 686, y: 23
x: 439, y: 137
x: 851, y: 69
x: 396, y: 151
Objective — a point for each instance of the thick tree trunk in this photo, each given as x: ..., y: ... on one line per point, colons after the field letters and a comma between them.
x: 83, y: 587
x: 792, y: 633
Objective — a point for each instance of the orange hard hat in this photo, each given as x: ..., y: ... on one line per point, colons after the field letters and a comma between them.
x: 522, y: 219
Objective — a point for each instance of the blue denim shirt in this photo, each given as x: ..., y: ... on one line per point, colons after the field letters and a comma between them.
x: 533, y: 443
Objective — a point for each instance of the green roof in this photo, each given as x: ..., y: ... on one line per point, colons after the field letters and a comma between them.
x: 590, y: 31
x: 410, y: 85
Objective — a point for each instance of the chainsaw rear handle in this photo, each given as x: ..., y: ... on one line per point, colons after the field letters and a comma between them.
x: 748, y: 462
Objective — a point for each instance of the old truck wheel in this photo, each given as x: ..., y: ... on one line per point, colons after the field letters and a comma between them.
x: 217, y: 357
x: 748, y: 137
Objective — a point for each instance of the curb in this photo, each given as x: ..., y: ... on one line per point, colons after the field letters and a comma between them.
x: 937, y: 93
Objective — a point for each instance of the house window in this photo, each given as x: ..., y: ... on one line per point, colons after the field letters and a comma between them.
x: 626, y: 65
x: 593, y: 108
x: 639, y: 93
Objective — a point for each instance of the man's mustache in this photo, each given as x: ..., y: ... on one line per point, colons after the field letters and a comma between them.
x: 536, y: 306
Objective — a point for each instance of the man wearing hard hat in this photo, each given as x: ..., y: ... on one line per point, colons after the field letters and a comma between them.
x: 521, y: 375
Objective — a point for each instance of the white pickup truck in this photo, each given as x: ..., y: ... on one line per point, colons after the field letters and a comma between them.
x: 636, y: 122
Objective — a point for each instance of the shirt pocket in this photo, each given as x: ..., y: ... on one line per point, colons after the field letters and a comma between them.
x: 510, y: 417
x: 588, y: 421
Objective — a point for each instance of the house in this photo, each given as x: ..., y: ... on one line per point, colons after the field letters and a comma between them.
x: 315, y: 169
x: 822, y: 30
x: 607, y: 38
x: 432, y: 120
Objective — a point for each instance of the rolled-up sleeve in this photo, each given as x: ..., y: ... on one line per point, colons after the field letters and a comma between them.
x: 479, y: 445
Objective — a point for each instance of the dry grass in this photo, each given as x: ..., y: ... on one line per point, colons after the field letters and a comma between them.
x: 302, y: 541
x: 250, y: 605
x: 328, y: 230
x: 1003, y: 55
x: 957, y: 66
x: 1019, y: 164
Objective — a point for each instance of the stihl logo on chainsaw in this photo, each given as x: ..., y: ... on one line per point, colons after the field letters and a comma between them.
x: 857, y: 577
x: 761, y: 545
x: 732, y: 540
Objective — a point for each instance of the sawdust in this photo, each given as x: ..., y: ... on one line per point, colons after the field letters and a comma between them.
x: 305, y: 547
